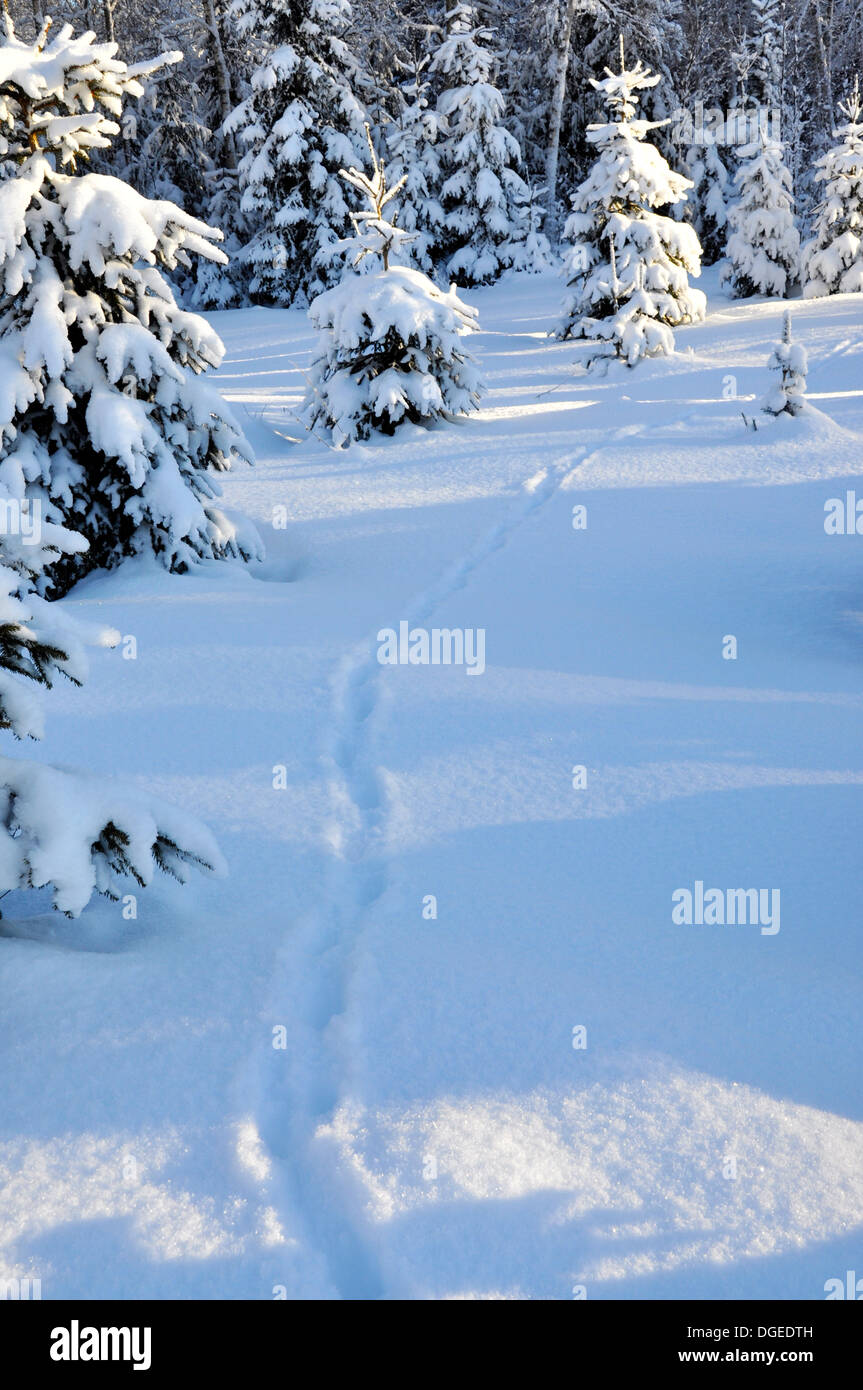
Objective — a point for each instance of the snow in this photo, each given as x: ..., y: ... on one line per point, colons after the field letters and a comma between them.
x: 73, y: 73
x: 104, y: 215
x: 44, y: 72
x: 155, y: 1142
x: 15, y: 197
x: 60, y: 818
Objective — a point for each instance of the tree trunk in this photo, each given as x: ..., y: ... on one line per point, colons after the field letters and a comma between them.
x: 552, y: 153
x: 212, y: 18
x: 825, y: 66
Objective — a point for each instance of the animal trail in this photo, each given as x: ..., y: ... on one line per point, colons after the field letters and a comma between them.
x: 322, y: 954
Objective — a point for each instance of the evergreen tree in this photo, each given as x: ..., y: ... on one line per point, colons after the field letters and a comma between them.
x: 530, y: 249
x: 392, y: 343
x: 223, y: 62
x: 74, y: 353
x: 709, y: 199
x: 101, y: 405
x: 482, y: 188
x: 789, y: 360
x: 628, y: 266
x: 223, y: 284
x: 763, y: 245
x: 833, y: 259
x: 758, y: 61
x: 300, y: 125
x: 165, y: 150
x: 58, y: 828
x: 414, y: 162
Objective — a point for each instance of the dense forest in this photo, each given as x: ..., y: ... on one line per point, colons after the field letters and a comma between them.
x: 449, y: 90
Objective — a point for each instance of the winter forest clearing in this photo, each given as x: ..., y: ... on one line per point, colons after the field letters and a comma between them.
x: 504, y: 688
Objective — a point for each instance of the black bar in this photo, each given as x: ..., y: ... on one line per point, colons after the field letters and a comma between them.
x: 237, y: 1337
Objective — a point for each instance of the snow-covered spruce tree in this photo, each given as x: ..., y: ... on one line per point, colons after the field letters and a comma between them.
x: 218, y: 60
x: 710, y: 195
x: 165, y: 147
x: 833, y: 259
x: 392, y: 343
x: 531, y: 250
x: 60, y: 828
x: 758, y: 60
x: 763, y: 246
x: 414, y: 163
x: 102, y: 408
x: 481, y: 187
x: 628, y: 266
x: 789, y: 360
x: 300, y: 124
x: 164, y: 150
x: 223, y: 284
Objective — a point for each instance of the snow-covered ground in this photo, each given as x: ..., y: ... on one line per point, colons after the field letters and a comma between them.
x: 293, y: 1080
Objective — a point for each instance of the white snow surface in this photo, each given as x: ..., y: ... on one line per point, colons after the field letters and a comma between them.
x: 428, y: 1130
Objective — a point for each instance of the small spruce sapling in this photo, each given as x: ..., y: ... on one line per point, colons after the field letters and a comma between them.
x: 392, y: 346
x: 788, y: 359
